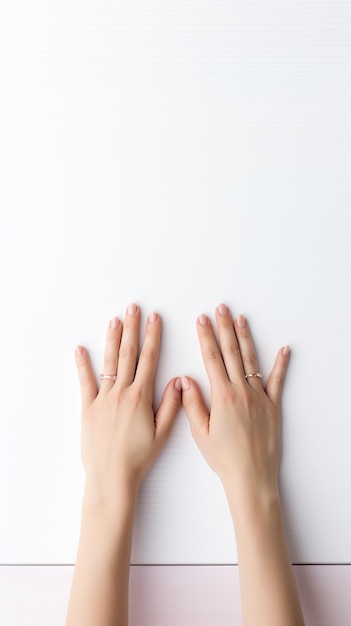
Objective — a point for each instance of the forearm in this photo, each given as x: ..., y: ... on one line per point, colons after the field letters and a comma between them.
x: 268, y: 591
x: 99, y: 593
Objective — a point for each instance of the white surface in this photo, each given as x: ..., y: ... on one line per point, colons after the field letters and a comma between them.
x: 177, y: 154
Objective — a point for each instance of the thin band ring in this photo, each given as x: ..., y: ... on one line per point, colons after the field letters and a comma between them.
x: 257, y: 375
x: 108, y: 377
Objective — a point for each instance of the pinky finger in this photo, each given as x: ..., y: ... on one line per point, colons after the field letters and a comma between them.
x: 274, y: 386
x: 87, y: 381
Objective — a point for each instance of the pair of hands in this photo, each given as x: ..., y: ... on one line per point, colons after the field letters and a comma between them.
x: 122, y: 435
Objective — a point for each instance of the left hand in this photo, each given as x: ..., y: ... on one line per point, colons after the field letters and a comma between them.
x: 121, y: 434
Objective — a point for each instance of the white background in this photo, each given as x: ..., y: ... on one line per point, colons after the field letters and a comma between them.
x: 177, y: 154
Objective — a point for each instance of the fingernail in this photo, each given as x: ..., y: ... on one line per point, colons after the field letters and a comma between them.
x: 222, y: 309
x: 185, y: 383
x: 114, y: 323
x: 79, y: 350
x: 241, y: 321
x: 178, y: 384
x: 286, y: 350
x: 203, y: 320
x: 152, y: 317
x: 132, y: 309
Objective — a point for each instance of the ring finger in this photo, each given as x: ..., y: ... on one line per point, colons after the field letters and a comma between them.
x: 248, y: 352
x: 113, y: 340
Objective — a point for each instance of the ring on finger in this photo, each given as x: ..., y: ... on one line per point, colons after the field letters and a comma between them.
x: 108, y: 377
x: 257, y: 375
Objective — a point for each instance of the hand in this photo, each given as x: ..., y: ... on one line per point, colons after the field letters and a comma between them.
x: 240, y: 438
x: 121, y: 435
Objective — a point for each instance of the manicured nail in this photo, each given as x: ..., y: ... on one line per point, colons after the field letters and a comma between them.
x: 185, y: 383
x: 132, y: 309
x: 222, y: 309
x: 241, y: 321
x: 79, y: 350
x: 152, y: 317
x: 203, y: 320
x: 286, y: 350
x: 178, y: 384
x: 114, y: 323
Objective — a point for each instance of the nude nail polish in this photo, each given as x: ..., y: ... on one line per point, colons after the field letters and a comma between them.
x: 241, y: 321
x: 152, y: 317
x: 203, y: 320
x: 185, y: 383
x: 132, y: 309
x: 222, y: 309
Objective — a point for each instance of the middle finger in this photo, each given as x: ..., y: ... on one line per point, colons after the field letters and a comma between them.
x: 229, y: 344
x: 128, y: 351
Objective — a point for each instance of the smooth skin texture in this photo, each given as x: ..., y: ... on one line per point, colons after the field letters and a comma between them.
x: 240, y: 438
x: 121, y: 439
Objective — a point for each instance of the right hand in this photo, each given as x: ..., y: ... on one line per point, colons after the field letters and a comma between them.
x: 240, y: 437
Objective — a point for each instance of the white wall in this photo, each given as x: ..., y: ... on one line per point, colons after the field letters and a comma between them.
x: 177, y: 154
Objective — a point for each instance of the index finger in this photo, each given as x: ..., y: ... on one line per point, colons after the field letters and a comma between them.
x: 86, y: 376
x: 211, y: 353
x: 146, y: 368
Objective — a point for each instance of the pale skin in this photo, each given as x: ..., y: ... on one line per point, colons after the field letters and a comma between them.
x: 239, y: 438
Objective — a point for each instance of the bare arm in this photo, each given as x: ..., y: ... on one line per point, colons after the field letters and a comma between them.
x: 121, y: 439
x: 240, y: 439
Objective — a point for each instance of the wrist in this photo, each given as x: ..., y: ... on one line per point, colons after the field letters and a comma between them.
x: 249, y: 503
x: 99, y: 504
x: 106, y: 532
x: 107, y: 528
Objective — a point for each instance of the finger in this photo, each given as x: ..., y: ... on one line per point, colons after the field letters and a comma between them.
x: 210, y: 352
x: 87, y: 381
x: 229, y: 344
x: 147, y: 364
x: 195, y: 408
x: 113, y: 340
x: 168, y: 409
x: 128, y: 351
x: 274, y: 387
x: 248, y: 352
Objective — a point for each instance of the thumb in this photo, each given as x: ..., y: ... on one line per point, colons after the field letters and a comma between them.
x: 86, y: 376
x: 168, y: 409
x: 194, y: 407
x: 274, y: 386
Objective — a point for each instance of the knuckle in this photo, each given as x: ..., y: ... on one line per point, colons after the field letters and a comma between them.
x: 226, y: 394
x: 211, y: 353
x: 173, y: 404
x: 127, y: 351
x: 233, y: 350
x: 110, y: 360
x: 227, y: 398
x: 190, y: 401
x: 250, y: 359
x: 149, y: 353
x: 278, y: 378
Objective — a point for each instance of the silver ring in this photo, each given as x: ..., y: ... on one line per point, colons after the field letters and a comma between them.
x: 107, y: 377
x: 257, y: 375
